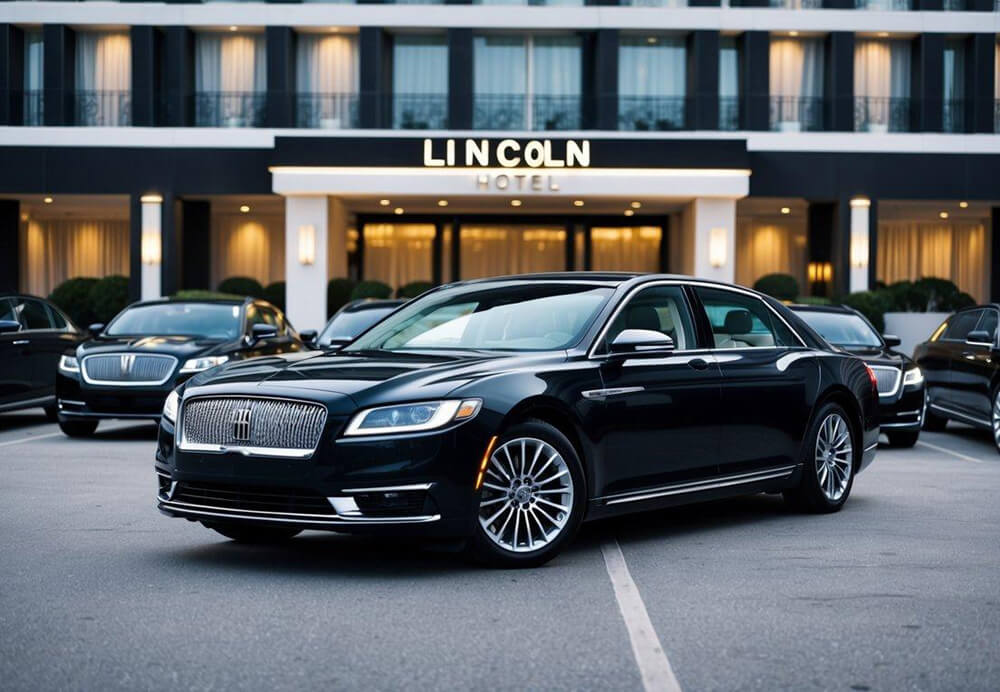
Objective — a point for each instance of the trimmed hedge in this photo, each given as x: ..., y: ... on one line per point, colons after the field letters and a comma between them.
x: 812, y: 300
x: 275, y: 294
x: 202, y: 294
x: 414, y: 289
x: 871, y: 304
x: 929, y: 294
x: 338, y: 294
x: 780, y: 286
x: 108, y: 297
x: 242, y: 286
x: 73, y: 296
x: 371, y: 289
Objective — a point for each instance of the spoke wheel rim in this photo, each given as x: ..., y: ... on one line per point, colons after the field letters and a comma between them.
x: 996, y: 420
x: 527, y: 495
x: 834, y: 457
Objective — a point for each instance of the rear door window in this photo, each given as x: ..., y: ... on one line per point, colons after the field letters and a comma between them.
x: 33, y: 314
x: 742, y: 321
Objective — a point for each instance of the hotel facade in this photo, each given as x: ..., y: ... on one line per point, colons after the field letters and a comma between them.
x: 844, y: 142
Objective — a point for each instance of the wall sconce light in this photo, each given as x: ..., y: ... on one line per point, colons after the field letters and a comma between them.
x: 307, y: 244
x: 718, y: 240
x: 819, y: 272
x: 151, y: 246
x: 859, y: 250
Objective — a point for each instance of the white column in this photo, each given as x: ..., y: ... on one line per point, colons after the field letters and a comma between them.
x: 151, y: 247
x: 306, y: 260
x: 858, y: 278
x: 710, y: 224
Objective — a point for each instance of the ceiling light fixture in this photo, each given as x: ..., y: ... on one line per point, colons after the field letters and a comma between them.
x: 629, y: 212
x: 636, y: 205
x: 883, y: 34
x: 244, y: 208
x: 397, y: 211
x: 577, y: 202
x: 651, y: 40
x: 786, y: 210
x: 47, y: 200
x: 793, y: 33
x: 515, y: 203
x: 383, y: 202
x: 964, y: 205
x: 232, y: 28
x: 943, y: 215
x: 442, y: 203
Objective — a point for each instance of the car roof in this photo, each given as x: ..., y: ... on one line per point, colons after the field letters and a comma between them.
x: 608, y: 278
x: 207, y: 301
x: 363, y: 304
x: 836, y: 309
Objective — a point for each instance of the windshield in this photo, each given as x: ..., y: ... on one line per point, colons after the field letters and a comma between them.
x: 509, y: 317
x: 204, y: 320
x: 347, y: 325
x: 841, y: 329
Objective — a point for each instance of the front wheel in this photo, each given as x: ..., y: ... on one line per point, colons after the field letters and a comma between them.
x: 996, y: 419
x: 78, y: 428
x: 903, y: 439
x: 827, y: 463
x: 256, y: 535
x: 532, y: 498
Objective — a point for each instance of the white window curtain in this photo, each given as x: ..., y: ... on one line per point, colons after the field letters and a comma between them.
x: 953, y: 117
x: 327, y: 74
x: 796, y: 67
x: 626, y: 249
x: 909, y: 250
x: 729, y: 68
x: 556, y: 66
x: 34, y: 60
x: 55, y: 250
x: 652, y: 66
x: 996, y: 73
x: 230, y: 64
x: 398, y: 254
x: 103, y: 78
x: 500, y: 65
x: 248, y: 245
x: 497, y: 250
x: 882, y: 68
x: 420, y: 81
x: 769, y: 246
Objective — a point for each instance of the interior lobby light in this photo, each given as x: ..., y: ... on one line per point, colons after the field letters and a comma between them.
x: 943, y: 215
x: 718, y: 238
x: 397, y: 211
x: 577, y: 202
x: 442, y: 203
x: 636, y: 205
x: 244, y: 208
x: 47, y: 200
x: 793, y: 33
x: 651, y: 40
x: 307, y: 244
x: 232, y: 28
x: 383, y: 203
x: 963, y: 205
x: 515, y: 203
x: 629, y: 212
x: 819, y: 271
x: 786, y: 210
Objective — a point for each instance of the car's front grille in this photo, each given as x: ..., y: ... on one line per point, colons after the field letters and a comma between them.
x: 887, y: 379
x: 257, y: 425
x: 128, y: 368
x: 252, y: 498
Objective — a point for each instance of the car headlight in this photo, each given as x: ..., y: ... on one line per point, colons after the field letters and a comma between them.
x: 425, y: 415
x: 203, y: 363
x: 69, y: 364
x: 913, y: 376
x: 170, y: 406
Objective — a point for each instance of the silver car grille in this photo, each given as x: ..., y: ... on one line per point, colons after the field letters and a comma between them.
x: 254, y: 426
x: 887, y: 379
x: 128, y: 368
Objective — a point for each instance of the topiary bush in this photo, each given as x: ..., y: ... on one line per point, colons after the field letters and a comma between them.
x: 202, y: 294
x: 371, y: 289
x: 242, y: 286
x: 108, y: 297
x: 414, y: 289
x: 274, y: 293
x: 73, y: 296
x: 338, y: 293
x: 813, y: 300
x: 780, y: 286
x: 871, y: 304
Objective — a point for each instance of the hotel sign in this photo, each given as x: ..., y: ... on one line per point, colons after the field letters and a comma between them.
x: 506, y: 153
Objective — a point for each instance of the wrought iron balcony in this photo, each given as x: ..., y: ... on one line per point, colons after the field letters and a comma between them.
x: 796, y: 113
x: 103, y: 108
x: 511, y: 112
x: 33, y: 107
x: 881, y: 114
x: 419, y: 111
x: 996, y: 105
x: 729, y: 113
x: 230, y: 108
x: 327, y: 111
x: 555, y: 113
x: 652, y: 112
x: 797, y: 4
x: 953, y: 115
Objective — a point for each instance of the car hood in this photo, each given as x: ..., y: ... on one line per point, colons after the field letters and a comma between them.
x: 878, y: 355
x: 179, y: 346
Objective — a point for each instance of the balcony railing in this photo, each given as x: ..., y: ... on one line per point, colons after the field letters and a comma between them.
x: 881, y: 114
x: 230, y: 108
x: 103, y: 108
x: 419, y: 111
x: 327, y: 111
x: 652, y: 112
x: 655, y: 3
x: 796, y: 113
x: 510, y: 112
x: 996, y: 108
x: 953, y: 116
x: 33, y: 112
x: 884, y: 5
x: 729, y: 113
x: 797, y: 4
x: 555, y: 113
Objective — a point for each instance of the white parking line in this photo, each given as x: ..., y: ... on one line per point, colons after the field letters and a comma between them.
x: 29, y: 439
x: 948, y: 451
x: 654, y: 668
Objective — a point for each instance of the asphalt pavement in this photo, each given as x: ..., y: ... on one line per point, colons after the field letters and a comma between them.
x: 900, y: 590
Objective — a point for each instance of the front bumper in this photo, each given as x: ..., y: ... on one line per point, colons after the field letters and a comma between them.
x: 904, y: 412
x: 80, y: 401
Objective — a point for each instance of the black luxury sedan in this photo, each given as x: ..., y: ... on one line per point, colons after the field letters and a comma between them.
x: 34, y: 333
x: 127, y: 369
x: 506, y: 411
x: 353, y: 319
x: 961, y: 361
x: 901, y: 390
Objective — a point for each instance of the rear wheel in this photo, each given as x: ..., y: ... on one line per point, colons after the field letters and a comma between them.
x: 903, y: 439
x: 827, y: 463
x: 257, y: 535
x: 78, y: 428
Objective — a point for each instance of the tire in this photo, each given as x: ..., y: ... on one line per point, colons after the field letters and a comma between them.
x: 78, y: 428
x: 933, y: 422
x: 995, y: 420
x: 51, y: 414
x: 823, y: 487
x: 506, y: 500
x: 255, y: 535
x: 903, y: 439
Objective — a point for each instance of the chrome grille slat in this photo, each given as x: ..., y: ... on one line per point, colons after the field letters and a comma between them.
x: 276, y: 425
x: 887, y: 378
x: 144, y: 369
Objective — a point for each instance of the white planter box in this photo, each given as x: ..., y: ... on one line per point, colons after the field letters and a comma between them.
x: 913, y: 327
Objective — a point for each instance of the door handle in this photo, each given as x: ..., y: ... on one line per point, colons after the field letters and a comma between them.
x: 698, y: 363
x: 21, y: 342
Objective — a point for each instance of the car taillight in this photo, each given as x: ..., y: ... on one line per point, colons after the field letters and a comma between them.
x: 872, y: 379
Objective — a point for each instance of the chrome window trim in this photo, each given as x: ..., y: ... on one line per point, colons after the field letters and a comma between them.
x: 899, y: 379
x: 115, y: 383
x: 688, y: 282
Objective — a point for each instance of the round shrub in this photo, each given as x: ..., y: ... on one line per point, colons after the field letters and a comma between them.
x: 871, y: 304
x: 275, y: 294
x: 813, y: 300
x: 73, y: 296
x: 242, y: 286
x: 371, y: 289
x: 780, y: 286
x: 414, y: 289
x: 202, y: 294
x: 338, y: 293
x: 108, y: 297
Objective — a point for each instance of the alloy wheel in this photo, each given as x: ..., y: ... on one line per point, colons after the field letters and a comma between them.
x: 996, y: 419
x: 834, y: 457
x: 527, y: 495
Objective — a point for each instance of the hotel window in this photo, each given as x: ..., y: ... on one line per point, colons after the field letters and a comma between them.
x: 251, y: 244
x: 493, y: 250
x: 230, y: 80
x: 103, y: 79
x: 34, y: 64
x: 796, y: 4
x: 327, y: 74
x: 56, y: 249
x: 796, y: 75
x: 530, y: 83
x: 658, y: 3
x: 549, y: 3
x: 398, y: 253
x: 625, y: 249
x: 882, y: 85
x: 729, y: 83
x: 420, y: 82
x: 996, y: 85
x: 652, y: 83
x: 953, y: 100
x: 770, y: 244
x: 884, y: 5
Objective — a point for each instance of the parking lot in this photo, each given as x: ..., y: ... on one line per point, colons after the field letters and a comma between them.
x: 898, y: 591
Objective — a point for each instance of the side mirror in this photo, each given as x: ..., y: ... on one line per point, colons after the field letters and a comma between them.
x: 96, y: 328
x: 641, y: 341
x: 8, y: 326
x: 309, y: 336
x: 891, y: 340
x: 980, y: 337
x: 260, y: 332
x: 336, y: 343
